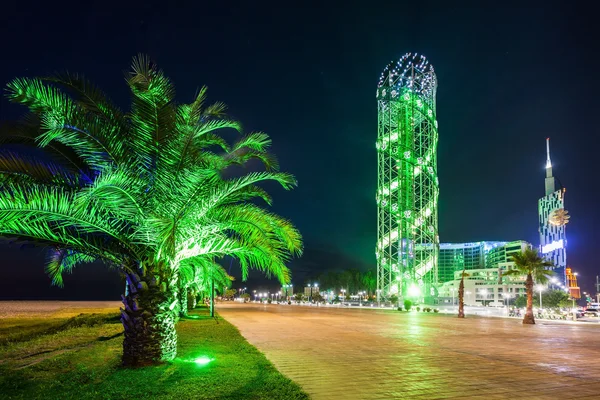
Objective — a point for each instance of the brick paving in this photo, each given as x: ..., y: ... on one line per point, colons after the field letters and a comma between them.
x: 378, y: 354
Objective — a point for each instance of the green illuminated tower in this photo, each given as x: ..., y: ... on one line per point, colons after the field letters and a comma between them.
x: 407, y: 192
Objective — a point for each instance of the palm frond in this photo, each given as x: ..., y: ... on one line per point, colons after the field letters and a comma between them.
x: 22, y: 167
x: 153, y: 113
x: 61, y: 261
x: 61, y: 119
x: 88, y: 96
x: 117, y: 191
x: 24, y: 134
x: 47, y: 214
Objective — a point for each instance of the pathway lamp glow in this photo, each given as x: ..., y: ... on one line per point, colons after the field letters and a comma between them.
x: 507, y: 296
x: 540, y: 288
x: 414, y: 291
x: 484, y: 293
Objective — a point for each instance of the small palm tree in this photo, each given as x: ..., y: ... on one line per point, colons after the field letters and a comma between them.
x: 197, y: 276
x: 369, y: 280
x: 535, y: 267
x: 461, y: 294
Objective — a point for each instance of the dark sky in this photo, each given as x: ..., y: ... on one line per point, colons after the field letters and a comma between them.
x: 509, y: 76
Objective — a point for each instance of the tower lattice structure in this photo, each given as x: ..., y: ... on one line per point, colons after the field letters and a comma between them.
x: 407, y: 192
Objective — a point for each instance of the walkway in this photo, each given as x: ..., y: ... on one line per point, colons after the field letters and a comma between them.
x: 377, y: 354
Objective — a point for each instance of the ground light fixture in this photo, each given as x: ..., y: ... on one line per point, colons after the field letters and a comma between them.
x: 202, y: 360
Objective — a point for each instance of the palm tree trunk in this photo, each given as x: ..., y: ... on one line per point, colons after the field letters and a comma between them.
x: 183, y: 301
x: 461, y: 297
x: 191, y: 294
x: 528, y: 318
x: 148, y: 318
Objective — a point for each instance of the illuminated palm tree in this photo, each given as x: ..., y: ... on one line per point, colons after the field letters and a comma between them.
x: 199, y: 275
x: 559, y: 217
x: 144, y: 191
x: 369, y: 280
x: 535, y: 267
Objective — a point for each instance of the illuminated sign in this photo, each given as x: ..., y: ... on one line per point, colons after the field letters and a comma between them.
x: 556, y: 245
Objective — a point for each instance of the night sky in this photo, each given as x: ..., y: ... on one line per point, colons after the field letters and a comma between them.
x: 509, y: 76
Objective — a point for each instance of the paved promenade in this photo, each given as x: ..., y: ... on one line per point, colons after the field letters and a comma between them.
x: 377, y: 354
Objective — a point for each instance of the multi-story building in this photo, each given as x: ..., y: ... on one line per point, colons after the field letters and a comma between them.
x: 484, y: 264
x: 458, y: 256
x: 454, y: 257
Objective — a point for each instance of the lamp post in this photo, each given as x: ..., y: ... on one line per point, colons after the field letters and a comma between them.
x: 452, y: 290
x: 540, y: 289
x: 484, y: 293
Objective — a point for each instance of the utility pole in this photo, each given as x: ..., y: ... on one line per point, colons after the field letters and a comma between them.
x: 597, y: 289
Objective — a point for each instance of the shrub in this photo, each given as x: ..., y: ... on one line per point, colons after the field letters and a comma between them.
x: 435, y: 310
x: 399, y: 308
x: 289, y: 303
x: 269, y: 301
x: 407, y: 305
x: 428, y: 309
x: 418, y: 309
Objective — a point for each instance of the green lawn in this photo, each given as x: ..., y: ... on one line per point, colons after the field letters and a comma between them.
x: 79, y: 358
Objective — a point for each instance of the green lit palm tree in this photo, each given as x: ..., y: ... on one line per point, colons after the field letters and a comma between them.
x: 144, y: 191
x: 198, y: 275
x: 369, y: 281
x: 535, y: 267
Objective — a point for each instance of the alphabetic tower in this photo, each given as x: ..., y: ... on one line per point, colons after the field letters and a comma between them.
x: 407, y: 191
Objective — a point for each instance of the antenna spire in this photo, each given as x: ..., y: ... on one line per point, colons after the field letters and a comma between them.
x: 548, y: 163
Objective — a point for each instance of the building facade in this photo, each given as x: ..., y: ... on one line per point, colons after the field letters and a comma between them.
x: 553, y: 219
x: 484, y: 264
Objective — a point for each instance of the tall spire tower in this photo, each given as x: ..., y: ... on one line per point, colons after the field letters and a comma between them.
x: 550, y: 183
x: 552, y: 222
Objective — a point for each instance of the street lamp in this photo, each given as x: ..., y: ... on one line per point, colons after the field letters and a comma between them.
x: 484, y: 293
x: 540, y: 288
x: 507, y: 296
x: 414, y: 291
